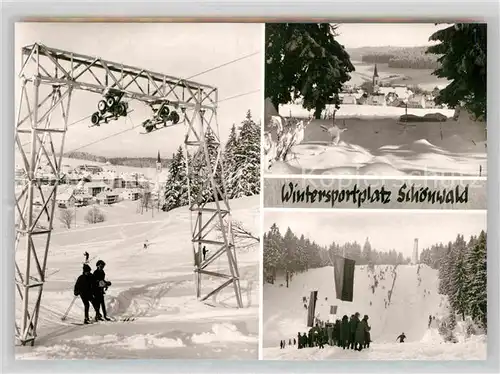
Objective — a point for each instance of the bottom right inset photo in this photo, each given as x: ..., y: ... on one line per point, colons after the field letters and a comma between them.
x: 374, y: 285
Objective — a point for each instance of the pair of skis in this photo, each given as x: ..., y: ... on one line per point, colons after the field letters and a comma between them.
x: 93, y: 322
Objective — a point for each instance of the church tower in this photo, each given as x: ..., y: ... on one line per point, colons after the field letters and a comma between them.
x: 375, y: 79
x: 157, y: 187
x: 158, y: 166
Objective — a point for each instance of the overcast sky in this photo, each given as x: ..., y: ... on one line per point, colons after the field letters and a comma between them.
x: 386, y: 230
x: 354, y: 35
x: 179, y: 50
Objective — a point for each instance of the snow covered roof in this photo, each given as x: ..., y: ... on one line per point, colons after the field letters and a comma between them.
x: 107, y: 194
x: 64, y: 196
x: 95, y: 185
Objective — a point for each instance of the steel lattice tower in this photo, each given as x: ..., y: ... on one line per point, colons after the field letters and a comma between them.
x: 49, y: 76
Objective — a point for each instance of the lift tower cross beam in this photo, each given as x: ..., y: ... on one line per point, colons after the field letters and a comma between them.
x: 49, y: 77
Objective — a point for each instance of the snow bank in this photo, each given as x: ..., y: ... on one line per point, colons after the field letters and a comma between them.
x: 142, y: 342
x: 225, y: 332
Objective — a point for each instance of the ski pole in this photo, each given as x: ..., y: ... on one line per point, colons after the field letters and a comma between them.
x: 69, y: 308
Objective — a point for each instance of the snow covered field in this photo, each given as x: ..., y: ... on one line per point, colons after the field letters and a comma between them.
x: 413, y: 298
x: 156, y: 286
x: 350, y: 110
x: 385, y: 147
x: 417, y: 158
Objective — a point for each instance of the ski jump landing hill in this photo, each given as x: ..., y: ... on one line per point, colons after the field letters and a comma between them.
x: 396, y: 299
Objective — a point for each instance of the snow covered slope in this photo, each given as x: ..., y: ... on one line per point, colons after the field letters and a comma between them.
x: 396, y: 299
x: 419, y: 157
x: 155, y: 285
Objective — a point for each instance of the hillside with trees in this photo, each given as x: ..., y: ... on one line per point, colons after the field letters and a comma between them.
x: 138, y: 162
x: 291, y: 252
x: 462, y: 274
x: 397, y: 57
x: 240, y: 161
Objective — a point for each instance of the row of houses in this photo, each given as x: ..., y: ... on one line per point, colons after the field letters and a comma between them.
x: 99, y: 194
x: 388, y: 96
x: 111, y: 179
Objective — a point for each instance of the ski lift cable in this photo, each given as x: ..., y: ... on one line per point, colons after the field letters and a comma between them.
x: 70, y: 125
x: 131, y: 128
x: 190, y: 77
x: 224, y: 64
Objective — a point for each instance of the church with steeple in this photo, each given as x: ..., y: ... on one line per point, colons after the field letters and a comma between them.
x: 375, y: 79
x: 159, y: 183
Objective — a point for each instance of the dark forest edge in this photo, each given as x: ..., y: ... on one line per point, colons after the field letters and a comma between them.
x: 137, y: 162
x: 461, y: 266
x: 294, y: 253
x: 396, y: 57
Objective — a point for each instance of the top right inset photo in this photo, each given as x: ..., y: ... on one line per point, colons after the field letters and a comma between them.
x: 382, y: 99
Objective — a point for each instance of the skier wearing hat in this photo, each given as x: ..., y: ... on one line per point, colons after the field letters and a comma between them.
x: 99, y: 291
x: 84, y: 287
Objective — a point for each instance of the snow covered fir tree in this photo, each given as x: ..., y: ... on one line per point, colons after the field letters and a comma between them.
x: 240, y: 164
x: 292, y: 253
x: 463, y: 279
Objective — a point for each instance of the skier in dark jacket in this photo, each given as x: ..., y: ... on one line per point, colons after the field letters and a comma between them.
x: 401, y: 338
x: 101, y: 286
x: 345, y: 332
x: 84, y: 287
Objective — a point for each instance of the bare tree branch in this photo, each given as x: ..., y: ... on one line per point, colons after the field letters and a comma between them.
x: 66, y: 217
x: 242, y: 236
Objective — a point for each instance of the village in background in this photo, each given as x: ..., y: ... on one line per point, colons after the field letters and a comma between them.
x: 392, y: 110
x: 93, y: 187
x: 84, y: 184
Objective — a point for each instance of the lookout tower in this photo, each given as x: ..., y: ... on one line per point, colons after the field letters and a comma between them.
x: 414, y: 258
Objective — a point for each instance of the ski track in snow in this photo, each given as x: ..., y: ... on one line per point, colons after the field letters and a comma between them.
x: 155, y: 286
x: 396, y: 299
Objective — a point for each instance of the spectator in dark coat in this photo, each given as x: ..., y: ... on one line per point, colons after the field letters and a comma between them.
x: 336, y: 333
x: 84, y: 287
x: 361, y: 330
x: 345, y: 332
x: 353, y: 324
